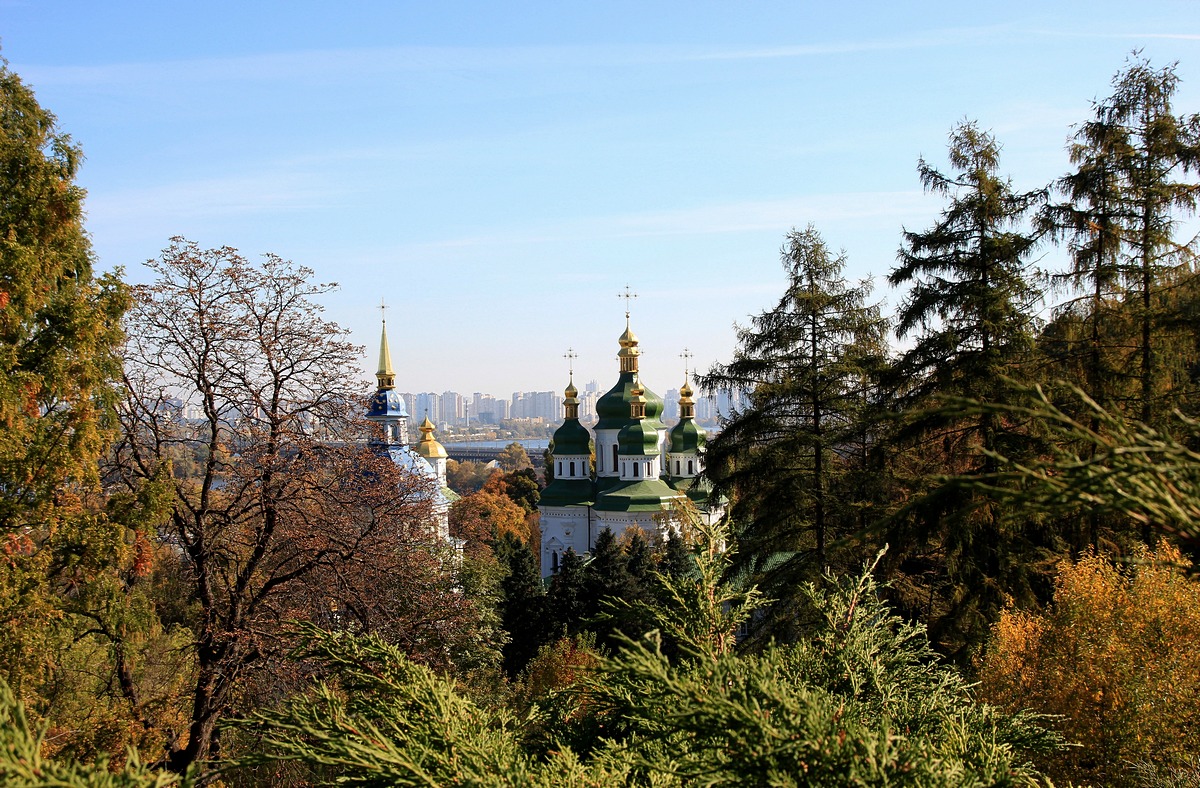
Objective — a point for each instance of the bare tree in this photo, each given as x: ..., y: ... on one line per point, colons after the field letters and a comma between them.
x: 243, y: 396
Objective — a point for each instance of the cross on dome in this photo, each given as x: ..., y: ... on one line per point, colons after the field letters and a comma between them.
x: 628, y: 295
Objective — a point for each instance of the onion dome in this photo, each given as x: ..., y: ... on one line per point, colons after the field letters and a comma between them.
x: 572, y: 439
x: 386, y: 404
x: 428, y: 447
x: 687, y: 435
x: 612, y: 409
x: 638, y: 439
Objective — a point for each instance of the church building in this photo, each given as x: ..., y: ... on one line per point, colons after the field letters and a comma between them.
x: 642, y: 469
x: 427, y: 462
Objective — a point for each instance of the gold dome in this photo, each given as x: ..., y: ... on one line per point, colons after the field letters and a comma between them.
x: 429, y: 447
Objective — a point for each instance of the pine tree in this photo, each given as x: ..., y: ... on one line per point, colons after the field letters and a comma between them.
x: 968, y: 310
x: 1158, y: 149
x: 803, y: 373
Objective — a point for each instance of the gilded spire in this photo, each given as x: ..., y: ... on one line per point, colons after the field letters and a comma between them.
x: 570, y: 403
x: 628, y: 354
x: 386, y: 375
x: 687, y: 406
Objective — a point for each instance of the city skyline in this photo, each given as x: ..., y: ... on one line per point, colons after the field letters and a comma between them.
x: 456, y: 409
x: 499, y: 176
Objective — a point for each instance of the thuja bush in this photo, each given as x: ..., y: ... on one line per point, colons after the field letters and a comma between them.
x: 864, y: 701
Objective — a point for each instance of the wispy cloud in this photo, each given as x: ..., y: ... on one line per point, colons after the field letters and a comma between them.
x: 325, y: 65
x: 893, y: 208
x: 259, y: 193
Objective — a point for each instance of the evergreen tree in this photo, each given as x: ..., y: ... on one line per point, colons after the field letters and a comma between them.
x: 1158, y: 149
x: 676, y: 561
x: 802, y: 373
x: 1090, y: 221
x: 968, y: 312
x: 567, y: 601
x: 606, y: 579
x: 523, y: 603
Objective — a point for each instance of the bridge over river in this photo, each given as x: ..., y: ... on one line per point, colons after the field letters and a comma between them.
x: 486, y: 451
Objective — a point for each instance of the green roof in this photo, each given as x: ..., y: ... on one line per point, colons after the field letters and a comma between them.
x: 568, y: 492
x: 687, y: 435
x: 613, y: 408
x: 638, y: 438
x: 647, y: 495
x: 572, y: 438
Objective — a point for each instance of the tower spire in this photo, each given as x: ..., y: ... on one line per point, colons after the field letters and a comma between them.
x: 570, y: 403
x: 628, y: 354
x: 385, y: 375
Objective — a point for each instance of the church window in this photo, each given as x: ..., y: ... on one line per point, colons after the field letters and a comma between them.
x: 635, y: 470
x: 614, y: 456
x: 691, y: 468
x: 560, y: 467
x: 554, y: 562
x: 572, y: 470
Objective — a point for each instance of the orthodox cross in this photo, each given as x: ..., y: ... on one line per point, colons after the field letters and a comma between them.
x: 686, y: 355
x: 570, y: 356
x: 628, y: 296
x: 382, y: 310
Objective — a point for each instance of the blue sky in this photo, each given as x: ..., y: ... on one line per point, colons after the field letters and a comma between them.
x: 498, y: 172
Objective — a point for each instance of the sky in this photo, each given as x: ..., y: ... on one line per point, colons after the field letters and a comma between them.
x: 499, y: 173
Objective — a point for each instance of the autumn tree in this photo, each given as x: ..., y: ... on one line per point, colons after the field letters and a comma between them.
x: 513, y: 458
x: 234, y: 384
x: 1117, y: 655
x: 484, y: 516
x: 467, y: 477
x: 71, y: 619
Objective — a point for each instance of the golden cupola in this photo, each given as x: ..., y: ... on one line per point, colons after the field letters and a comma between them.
x: 429, y: 447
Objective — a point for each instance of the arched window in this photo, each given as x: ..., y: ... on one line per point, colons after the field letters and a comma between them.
x: 635, y: 470
x: 554, y: 562
x: 691, y: 467
x: 614, y: 456
x: 572, y: 470
x: 560, y: 467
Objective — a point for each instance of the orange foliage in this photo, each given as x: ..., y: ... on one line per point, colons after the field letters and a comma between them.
x: 485, y: 516
x: 1117, y: 654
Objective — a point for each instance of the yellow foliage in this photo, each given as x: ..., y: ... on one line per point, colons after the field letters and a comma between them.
x: 1117, y: 654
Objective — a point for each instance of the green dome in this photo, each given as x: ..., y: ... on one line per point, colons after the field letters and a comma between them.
x: 571, y: 439
x: 639, y: 438
x: 568, y: 492
x: 613, y: 408
x: 687, y: 435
